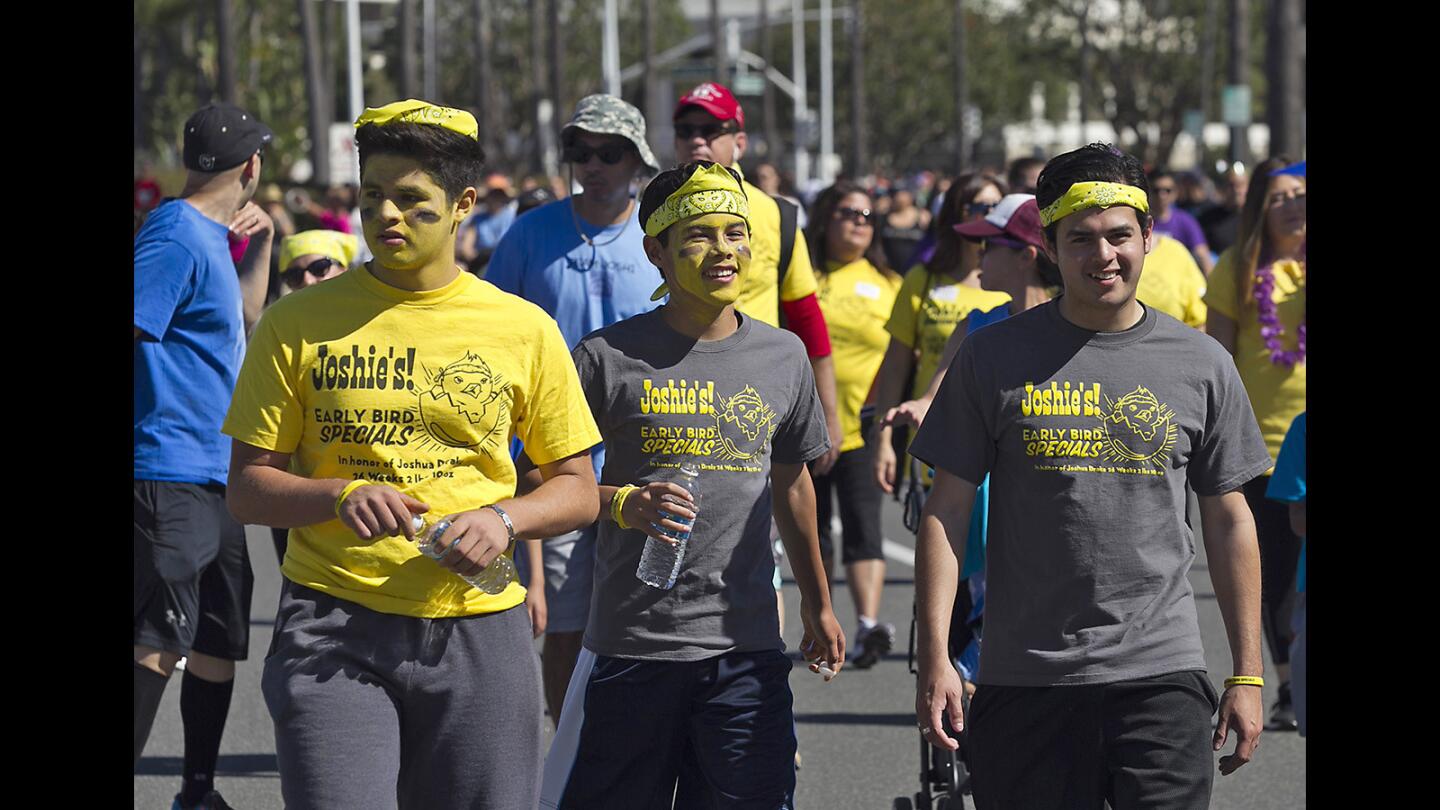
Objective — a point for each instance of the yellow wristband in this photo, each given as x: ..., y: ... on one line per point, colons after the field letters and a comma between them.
x: 617, y: 504
x: 345, y: 493
x: 1244, y: 680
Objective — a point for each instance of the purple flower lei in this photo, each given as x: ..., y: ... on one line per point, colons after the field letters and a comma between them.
x: 1270, y: 329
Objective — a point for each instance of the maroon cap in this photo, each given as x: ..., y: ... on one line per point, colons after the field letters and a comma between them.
x: 1016, y: 216
x: 715, y: 99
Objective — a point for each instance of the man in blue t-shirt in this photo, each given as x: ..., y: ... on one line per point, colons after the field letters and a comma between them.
x: 193, y: 307
x: 582, y: 260
x: 482, y: 232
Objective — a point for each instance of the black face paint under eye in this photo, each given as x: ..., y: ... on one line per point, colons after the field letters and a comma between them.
x: 367, y: 213
x: 429, y: 217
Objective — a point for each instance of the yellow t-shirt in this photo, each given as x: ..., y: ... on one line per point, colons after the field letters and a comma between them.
x: 761, y: 296
x: 856, y: 300
x: 947, y: 303
x: 1172, y: 282
x: 421, y: 391
x: 1277, y: 392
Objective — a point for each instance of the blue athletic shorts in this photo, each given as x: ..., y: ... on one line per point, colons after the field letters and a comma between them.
x: 713, y: 733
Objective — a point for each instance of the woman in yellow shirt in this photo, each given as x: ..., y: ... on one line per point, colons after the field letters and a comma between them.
x: 1256, y: 301
x: 934, y: 297
x: 857, y: 292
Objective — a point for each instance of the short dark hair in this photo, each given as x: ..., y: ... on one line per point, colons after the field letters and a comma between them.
x: 454, y: 161
x: 1100, y: 162
x: 668, y: 182
x: 1049, y: 272
x: 1019, y: 167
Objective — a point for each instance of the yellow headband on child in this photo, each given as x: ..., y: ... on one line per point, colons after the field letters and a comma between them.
x: 1093, y: 195
x: 415, y: 111
x: 341, y: 247
x: 710, y: 190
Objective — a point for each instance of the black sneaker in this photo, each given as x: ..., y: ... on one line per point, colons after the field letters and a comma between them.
x: 874, y: 645
x: 1282, y: 714
x: 211, y: 801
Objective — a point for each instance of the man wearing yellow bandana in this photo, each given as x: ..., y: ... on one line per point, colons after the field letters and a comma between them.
x: 1091, y: 413
x: 381, y: 398
x: 682, y: 693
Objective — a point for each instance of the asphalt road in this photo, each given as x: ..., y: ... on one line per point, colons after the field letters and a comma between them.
x: 857, y: 733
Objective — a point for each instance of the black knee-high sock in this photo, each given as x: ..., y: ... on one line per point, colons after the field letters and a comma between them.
x: 203, y: 708
x: 149, y: 687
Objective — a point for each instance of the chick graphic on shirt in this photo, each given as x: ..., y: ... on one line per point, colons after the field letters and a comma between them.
x: 745, y: 424
x: 465, y: 404
x: 1139, y: 427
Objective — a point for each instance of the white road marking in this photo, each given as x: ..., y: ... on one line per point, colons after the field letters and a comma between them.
x: 897, y: 552
x: 893, y: 550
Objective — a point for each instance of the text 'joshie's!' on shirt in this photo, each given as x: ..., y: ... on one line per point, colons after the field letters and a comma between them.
x: 731, y: 407
x: 1089, y: 438
x: 420, y: 391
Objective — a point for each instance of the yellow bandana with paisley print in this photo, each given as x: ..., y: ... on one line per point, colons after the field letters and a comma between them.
x: 1093, y: 195
x: 415, y: 111
x: 710, y: 190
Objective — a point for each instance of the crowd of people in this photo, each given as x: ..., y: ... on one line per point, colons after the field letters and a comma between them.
x: 445, y: 348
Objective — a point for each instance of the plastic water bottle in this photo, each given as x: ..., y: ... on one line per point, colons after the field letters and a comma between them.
x: 660, y: 562
x: 492, y: 579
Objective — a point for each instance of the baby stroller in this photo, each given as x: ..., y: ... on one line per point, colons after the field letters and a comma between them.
x: 944, y: 774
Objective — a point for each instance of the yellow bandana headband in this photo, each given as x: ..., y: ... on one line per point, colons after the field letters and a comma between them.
x: 710, y: 190
x: 415, y: 111
x: 1093, y: 195
x: 341, y: 247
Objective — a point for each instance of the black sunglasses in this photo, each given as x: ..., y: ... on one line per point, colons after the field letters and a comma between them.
x: 978, y: 209
x: 610, y: 154
x: 859, y: 216
x: 707, y: 131
x: 317, y: 268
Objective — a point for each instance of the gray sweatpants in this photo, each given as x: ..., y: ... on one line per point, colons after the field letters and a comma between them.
x: 373, y: 710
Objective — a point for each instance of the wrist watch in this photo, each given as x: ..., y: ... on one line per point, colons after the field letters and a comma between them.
x: 509, y: 527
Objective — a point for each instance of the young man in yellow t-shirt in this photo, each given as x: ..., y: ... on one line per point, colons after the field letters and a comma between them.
x: 388, y: 393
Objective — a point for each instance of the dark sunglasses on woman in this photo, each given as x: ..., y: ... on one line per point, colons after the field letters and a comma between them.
x: 294, y: 276
x: 859, y: 216
x: 978, y: 209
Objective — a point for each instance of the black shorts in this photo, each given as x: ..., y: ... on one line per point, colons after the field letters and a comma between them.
x: 852, y: 481
x: 192, y: 571
x: 1136, y: 744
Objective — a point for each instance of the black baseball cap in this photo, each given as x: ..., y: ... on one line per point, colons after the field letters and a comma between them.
x: 221, y: 136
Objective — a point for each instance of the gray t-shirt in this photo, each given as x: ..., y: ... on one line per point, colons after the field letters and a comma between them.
x: 730, y: 406
x: 1089, y: 438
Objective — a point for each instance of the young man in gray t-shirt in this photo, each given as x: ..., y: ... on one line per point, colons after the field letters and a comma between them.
x: 1090, y: 413
x: 683, y: 693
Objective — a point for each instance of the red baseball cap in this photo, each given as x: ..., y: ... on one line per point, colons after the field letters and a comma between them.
x: 714, y: 98
x: 1016, y: 216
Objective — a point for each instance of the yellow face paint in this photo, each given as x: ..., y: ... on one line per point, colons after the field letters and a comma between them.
x: 405, y: 215
x: 710, y: 256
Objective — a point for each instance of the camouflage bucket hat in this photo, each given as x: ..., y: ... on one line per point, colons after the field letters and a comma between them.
x: 607, y: 115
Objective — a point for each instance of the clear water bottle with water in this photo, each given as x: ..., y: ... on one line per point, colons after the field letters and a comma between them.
x: 660, y: 562
x: 492, y: 579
